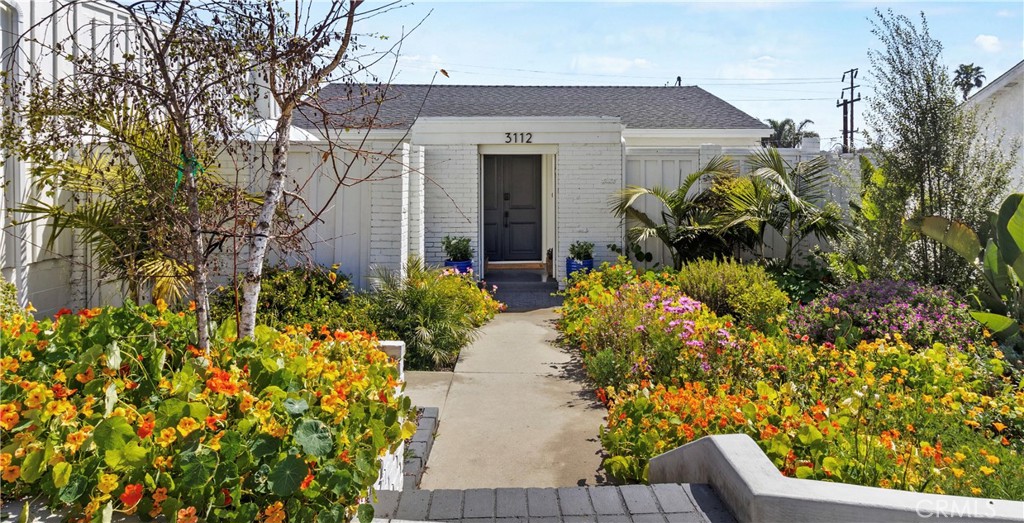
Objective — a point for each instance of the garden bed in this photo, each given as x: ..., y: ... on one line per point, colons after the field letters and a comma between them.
x: 940, y: 418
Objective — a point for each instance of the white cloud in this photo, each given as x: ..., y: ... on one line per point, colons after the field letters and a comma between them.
x: 988, y: 43
x: 600, y: 64
x: 760, y: 68
x: 1005, y: 13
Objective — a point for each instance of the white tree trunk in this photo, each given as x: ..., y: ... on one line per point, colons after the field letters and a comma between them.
x: 201, y: 272
x: 260, y: 238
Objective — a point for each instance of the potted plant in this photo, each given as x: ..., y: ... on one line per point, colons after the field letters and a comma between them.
x: 460, y: 254
x: 581, y: 257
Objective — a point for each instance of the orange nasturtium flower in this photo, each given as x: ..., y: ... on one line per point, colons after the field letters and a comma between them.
x: 222, y: 383
x: 167, y: 436
x: 132, y: 494
x: 9, y: 416
x: 187, y: 515
x: 274, y: 513
x: 11, y: 473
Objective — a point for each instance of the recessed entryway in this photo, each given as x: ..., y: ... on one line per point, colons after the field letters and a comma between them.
x: 513, y: 194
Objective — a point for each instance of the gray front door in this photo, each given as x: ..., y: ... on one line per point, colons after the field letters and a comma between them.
x: 512, y: 197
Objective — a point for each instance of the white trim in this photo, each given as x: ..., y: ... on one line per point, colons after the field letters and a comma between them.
x: 709, y: 134
x: 488, y: 130
x: 525, y: 149
x: 1008, y: 79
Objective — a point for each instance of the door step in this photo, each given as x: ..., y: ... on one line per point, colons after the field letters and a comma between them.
x: 515, y: 266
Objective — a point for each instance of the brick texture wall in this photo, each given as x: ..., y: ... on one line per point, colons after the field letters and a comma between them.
x: 389, y: 218
x: 452, y: 198
x: 586, y: 176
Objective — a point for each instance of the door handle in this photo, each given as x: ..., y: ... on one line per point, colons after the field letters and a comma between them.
x: 506, y: 219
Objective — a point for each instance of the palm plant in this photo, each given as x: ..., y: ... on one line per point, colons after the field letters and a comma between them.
x: 787, y: 133
x: 426, y: 310
x: 967, y: 77
x: 687, y: 224
x: 791, y: 200
x: 120, y: 208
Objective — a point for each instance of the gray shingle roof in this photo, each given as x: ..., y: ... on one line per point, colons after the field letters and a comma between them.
x: 687, y: 107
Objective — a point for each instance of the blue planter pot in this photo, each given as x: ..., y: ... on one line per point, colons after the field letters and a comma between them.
x: 462, y: 266
x: 573, y: 265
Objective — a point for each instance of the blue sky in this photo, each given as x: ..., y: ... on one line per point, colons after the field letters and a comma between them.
x: 770, y: 59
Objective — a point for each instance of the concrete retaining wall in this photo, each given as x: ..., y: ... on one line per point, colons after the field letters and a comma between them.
x: 754, y: 490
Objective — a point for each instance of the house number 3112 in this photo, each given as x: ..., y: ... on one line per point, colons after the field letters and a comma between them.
x: 518, y: 137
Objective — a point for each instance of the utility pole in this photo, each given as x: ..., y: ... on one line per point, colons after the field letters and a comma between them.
x: 849, y: 129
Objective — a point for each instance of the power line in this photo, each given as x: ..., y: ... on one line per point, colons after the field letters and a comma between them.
x: 820, y: 79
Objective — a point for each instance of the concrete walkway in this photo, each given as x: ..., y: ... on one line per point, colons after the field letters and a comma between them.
x: 515, y: 413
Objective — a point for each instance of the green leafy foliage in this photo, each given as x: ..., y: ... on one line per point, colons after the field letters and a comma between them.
x: 319, y: 296
x: 457, y: 248
x: 8, y: 299
x: 580, y: 250
x: 286, y: 426
x: 436, y: 312
x: 931, y: 160
x: 689, y: 222
x: 1000, y: 297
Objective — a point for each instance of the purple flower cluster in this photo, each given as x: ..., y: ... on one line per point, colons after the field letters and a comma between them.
x: 872, y: 309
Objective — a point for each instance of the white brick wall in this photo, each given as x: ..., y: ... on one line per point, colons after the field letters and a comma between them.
x: 452, y: 198
x: 416, y: 197
x: 586, y: 176
x: 389, y: 217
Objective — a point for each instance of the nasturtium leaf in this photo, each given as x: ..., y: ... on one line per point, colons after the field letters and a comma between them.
x: 804, y: 472
x: 196, y: 467
x: 365, y: 513
x: 264, y: 445
x: 61, y: 474
x: 315, y: 437
x: 286, y: 477
x: 74, y: 489
x: 295, y: 407
x: 808, y: 435
x: 112, y: 433
x: 33, y: 466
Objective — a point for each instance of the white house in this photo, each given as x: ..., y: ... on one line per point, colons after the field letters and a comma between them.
x: 524, y: 169
x: 1002, y: 103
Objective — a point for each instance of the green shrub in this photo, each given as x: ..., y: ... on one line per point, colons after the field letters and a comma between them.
x: 436, y: 312
x: 728, y: 287
x: 295, y: 296
x: 804, y: 281
x: 8, y: 299
x: 457, y: 248
x: 581, y: 251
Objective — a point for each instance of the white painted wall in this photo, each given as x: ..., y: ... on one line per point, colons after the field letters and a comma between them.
x: 48, y: 278
x: 1001, y: 105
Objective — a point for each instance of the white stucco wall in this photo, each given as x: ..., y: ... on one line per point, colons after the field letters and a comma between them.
x: 1001, y: 104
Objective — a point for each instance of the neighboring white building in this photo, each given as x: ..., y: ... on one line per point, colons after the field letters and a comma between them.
x: 1002, y: 103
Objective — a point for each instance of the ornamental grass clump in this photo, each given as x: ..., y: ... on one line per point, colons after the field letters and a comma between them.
x: 920, y: 314
x: 115, y: 411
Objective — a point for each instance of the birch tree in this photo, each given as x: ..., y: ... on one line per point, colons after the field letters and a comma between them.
x: 160, y: 66
x: 299, y: 50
